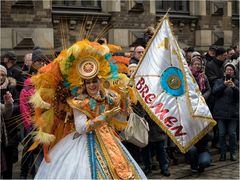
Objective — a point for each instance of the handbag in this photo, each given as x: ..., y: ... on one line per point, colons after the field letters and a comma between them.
x: 137, y: 130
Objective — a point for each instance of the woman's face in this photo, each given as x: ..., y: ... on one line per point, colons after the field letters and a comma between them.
x: 92, y: 86
x: 196, y: 65
x: 3, y: 77
x: 229, y: 71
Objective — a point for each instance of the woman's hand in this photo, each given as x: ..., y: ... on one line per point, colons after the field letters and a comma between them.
x: 231, y: 84
x: 97, y: 122
x: 8, y: 98
x: 110, y: 113
x: 226, y: 82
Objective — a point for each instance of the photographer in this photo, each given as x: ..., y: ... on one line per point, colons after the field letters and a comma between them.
x: 9, y: 124
x: 226, y: 110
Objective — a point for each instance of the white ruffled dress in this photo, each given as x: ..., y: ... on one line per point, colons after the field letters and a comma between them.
x: 70, y: 156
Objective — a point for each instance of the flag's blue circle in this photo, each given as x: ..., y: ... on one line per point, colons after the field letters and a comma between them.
x: 172, y: 81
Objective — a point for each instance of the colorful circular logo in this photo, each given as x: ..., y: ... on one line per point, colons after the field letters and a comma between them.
x: 88, y: 67
x: 172, y: 81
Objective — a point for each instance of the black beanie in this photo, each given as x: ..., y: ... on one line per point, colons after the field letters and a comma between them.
x: 220, y: 51
x: 37, y: 54
x: 10, y: 56
x: 213, y: 47
x: 190, y: 49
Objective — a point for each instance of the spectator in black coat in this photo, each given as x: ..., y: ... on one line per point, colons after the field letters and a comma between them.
x: 148, y: 33
x: 137, y: 55
x: 27, y: 65
x: 9, y: 60
x: 211, y: 54
x: 38, y: 60
x: 214, y: 70
x: 226, y: 110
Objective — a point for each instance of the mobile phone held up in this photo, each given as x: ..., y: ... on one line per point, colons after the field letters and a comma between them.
x: 228, y: 77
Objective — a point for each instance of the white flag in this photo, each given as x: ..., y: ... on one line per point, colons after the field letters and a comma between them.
x: 168, y: 91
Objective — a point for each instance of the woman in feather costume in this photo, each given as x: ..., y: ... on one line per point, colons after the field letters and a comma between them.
x: 76, y: 117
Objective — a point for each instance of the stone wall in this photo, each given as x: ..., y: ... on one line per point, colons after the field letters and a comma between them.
x: 36, y: 23
x: 25, y: 25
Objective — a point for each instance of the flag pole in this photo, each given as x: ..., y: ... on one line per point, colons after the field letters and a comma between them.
x: 165, y: 15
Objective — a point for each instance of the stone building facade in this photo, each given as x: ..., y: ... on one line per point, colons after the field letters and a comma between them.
x: 57, y: 24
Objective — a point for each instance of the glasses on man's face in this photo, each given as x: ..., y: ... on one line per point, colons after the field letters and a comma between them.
x: 140, y: 52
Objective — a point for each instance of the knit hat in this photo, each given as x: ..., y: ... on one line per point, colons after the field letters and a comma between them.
x: 10, y: 56
x: 220, y: 51
x: 213, y: 47
x: 232, y: 65
x: 37, y: 54
x: 132, y: 65
x: 2, y: 68
x: 196, y: 58
x: 195, y: 53
x: 190, y: 49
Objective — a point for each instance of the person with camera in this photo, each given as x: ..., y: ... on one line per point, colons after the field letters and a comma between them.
x: 9, y: 124
x: 6, y: 112
x: 226, y: 110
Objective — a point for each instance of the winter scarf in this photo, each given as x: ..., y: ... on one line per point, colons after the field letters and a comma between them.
x: 200, y: 78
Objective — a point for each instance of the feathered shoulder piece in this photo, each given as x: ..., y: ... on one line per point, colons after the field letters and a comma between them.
x: 52, y: 113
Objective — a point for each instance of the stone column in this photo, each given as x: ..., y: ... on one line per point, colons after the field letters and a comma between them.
x: 152, y: 7
x: 47, y: 4
x: 111, y: 6
x: 119, y: 37
x: 197, y: 8
x: 229, y: 9
x: 228, y: 34
x: 203, y: 38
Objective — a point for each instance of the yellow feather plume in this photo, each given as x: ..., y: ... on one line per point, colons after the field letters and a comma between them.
x: 74, y: 50
x: 46, y: 80
x: 47, y: 94
x: 132, y: 95
x: 37, y: 101
x: 44, y: 138
x: 48, y: 118
x: 114, y: 48
x: 118, y: 125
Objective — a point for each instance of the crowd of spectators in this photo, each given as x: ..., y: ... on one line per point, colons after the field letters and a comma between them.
x: 216, y: 73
